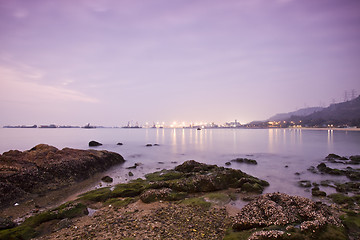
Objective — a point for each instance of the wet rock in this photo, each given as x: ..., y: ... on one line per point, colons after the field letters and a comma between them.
x: 133, y: 167
x: 312, y: 169
x: 353, y: 187
x: 325, y: 169
x: 228, y: 163
x: 193, y: 166
x: 355, y: 158
x: 156, y: 145
x: 148, y: 145
x: 107, y: 179
x: 316, y: 192
x: 45, y: 168
x: 327, y: 183
x: 353, y: 174
x: 6, y: 223
x: 119, y: 144
x: 131, y: 174
x: 192, y: 176
x: 282, y: 210
x: 94, y: 144
x: 304, y: 183
x: 244, y: 160
x: 333, y: 156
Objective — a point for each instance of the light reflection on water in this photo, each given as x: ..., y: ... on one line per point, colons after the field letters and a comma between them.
x: 272, y: 148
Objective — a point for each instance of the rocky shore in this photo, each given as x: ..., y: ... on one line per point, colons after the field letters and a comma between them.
x: 191, y: 202
x: 44, y: 168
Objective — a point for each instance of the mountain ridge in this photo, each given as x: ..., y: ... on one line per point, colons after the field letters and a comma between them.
x: 344, y: 113
x: 301, y: 113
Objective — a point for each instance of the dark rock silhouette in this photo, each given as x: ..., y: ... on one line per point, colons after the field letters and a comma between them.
x: 107, y: 179
x: 44, y: 168
x: 94, y: 144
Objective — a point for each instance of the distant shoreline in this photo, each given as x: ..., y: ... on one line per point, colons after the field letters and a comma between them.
x: 337, y: 129
x: 302, y: 128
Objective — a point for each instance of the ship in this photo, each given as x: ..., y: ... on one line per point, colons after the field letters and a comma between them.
x: 88, y: 126
x: 132, y: 126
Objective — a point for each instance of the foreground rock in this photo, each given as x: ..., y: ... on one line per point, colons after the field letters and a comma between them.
x: 45, y: 168
x: 171, y: 204
x: 188, y: 216
x: 288, y: 216
x: 153, y: 221
x: 192, y: 177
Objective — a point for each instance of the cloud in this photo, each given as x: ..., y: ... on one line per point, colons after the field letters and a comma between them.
x: 17, y: 86
x: 21, y: 13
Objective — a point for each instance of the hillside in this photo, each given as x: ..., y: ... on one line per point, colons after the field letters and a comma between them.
x: 301, y: 112
x: 345, y: 113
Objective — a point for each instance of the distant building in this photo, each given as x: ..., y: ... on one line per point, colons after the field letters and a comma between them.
x: 235, y: 124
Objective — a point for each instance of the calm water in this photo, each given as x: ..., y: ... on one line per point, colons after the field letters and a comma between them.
x: 272, y: 148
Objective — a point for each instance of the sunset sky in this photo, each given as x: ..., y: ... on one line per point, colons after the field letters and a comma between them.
x: 110, y: 62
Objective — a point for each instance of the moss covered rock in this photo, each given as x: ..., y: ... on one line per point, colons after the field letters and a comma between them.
x: 131, y: 189
x: 97, y: 195
x: 30, y: 228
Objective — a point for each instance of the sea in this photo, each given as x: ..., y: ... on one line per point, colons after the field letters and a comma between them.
x: 283, y: 155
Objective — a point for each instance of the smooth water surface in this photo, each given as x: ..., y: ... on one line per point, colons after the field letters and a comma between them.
x: 273, y: 149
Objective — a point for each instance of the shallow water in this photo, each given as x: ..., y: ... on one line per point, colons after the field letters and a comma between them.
x: 273, y: 149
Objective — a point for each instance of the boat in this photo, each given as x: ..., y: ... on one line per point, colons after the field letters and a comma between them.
x: 87, y: 126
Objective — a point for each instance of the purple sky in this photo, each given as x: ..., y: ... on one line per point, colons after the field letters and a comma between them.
x: 110, y: 62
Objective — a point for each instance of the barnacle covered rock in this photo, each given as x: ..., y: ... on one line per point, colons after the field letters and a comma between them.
x: 281, y: 209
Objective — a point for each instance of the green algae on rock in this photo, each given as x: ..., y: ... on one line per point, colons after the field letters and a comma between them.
x: 31, y: 227
x: 172, y: 185
x: 193, y: 177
